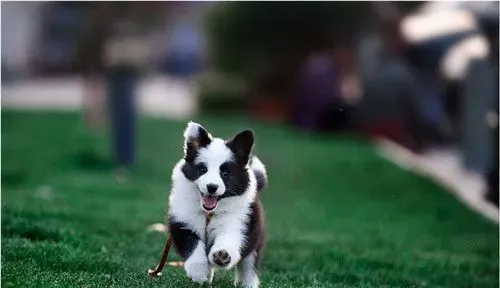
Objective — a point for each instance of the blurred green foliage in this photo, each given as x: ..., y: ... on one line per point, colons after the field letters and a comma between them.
x: 254, y: 40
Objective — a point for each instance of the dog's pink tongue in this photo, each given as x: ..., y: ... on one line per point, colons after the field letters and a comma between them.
x: 209, y: 201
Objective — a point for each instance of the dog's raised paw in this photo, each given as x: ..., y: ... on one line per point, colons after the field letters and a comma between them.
x: 221, y: 258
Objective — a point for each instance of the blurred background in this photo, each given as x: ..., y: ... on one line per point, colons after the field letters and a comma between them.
x: 420, y: 78
x: 423, y: 74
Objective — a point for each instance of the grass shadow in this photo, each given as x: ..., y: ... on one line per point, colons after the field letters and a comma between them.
x: 88, y: 160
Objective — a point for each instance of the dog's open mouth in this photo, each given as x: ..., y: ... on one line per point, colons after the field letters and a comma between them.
x: 208, y: 202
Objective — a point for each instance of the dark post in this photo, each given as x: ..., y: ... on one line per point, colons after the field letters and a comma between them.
x: 122, y: 80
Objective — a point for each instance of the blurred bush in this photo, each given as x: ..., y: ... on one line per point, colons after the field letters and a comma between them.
x: 222, y: 92
x: 265, y: 43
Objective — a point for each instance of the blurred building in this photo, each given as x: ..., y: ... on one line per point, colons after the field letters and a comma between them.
x: 47, y: 35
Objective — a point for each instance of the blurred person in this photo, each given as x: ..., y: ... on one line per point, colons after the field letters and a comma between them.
x: 318, y: 101
x: 351, y: 90
x: 450, y: 49
x: 114, y: 51
x: 443, y: 38
x: 185, y: 46
x: 417, y: 46
x: 389, y: 106
x: 126, y: 54
x: 449, y: 57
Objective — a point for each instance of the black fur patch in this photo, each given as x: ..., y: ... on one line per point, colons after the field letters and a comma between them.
x: 191, y: 171
x: 235, y: 177
x: 191, y: 152
x: 255, y: 233
x: 193, y: 144
x: 184, y: 239
x: 241, y: 145
x: 203, y: 138
x: 261, y: 180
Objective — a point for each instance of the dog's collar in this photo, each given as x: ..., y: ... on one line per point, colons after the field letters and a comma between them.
x: 208, y: 217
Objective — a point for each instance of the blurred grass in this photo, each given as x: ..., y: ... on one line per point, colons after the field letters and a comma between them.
x: 338, y: 215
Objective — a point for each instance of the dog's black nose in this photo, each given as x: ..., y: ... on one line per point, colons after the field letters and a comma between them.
x: 212, y: 188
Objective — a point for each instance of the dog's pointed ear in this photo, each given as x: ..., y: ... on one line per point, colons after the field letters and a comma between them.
x: 195, y: 137
x: 241, y: 145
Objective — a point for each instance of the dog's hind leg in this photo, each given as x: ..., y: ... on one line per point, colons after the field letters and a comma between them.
x: 247, y: 271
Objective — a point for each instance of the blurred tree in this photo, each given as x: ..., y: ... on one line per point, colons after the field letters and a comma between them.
x: 266, y: 42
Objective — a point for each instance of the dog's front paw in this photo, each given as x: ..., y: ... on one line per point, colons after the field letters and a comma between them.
x: 221, y: 258
x: 198, y: 271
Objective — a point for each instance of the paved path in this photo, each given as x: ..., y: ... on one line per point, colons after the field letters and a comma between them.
x: 157, y: 96
x: 444, y: 167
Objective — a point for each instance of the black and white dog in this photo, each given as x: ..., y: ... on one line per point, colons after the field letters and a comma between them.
x: 219, y: 178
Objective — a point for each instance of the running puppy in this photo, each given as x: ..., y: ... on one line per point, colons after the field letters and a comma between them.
x: 221, y: 180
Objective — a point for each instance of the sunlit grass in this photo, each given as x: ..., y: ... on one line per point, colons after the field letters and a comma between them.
x: 338, y: 215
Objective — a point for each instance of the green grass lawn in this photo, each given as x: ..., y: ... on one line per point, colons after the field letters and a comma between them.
x: 338, y: 214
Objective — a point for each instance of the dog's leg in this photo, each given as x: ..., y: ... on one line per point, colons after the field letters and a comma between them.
x: 196, y: 265
x: 192, y: 250
x: 225, y: 252
x: 211, y: 275
x: 247, y: 271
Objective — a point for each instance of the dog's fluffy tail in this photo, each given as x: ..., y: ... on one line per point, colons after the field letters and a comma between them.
x: 259, y: 170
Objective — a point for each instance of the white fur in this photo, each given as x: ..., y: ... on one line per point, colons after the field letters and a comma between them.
x: 213, y: 156
x: 192, y: 131
x: 196, y: 265
x: 184, y: 202
x: 228, y: 224
x: 226, y: 229
x: 245, y: 272
x: 258, y: 166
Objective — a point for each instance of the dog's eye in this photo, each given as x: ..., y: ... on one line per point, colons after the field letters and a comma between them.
x: 224, y: 170
x: 202, y: 169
